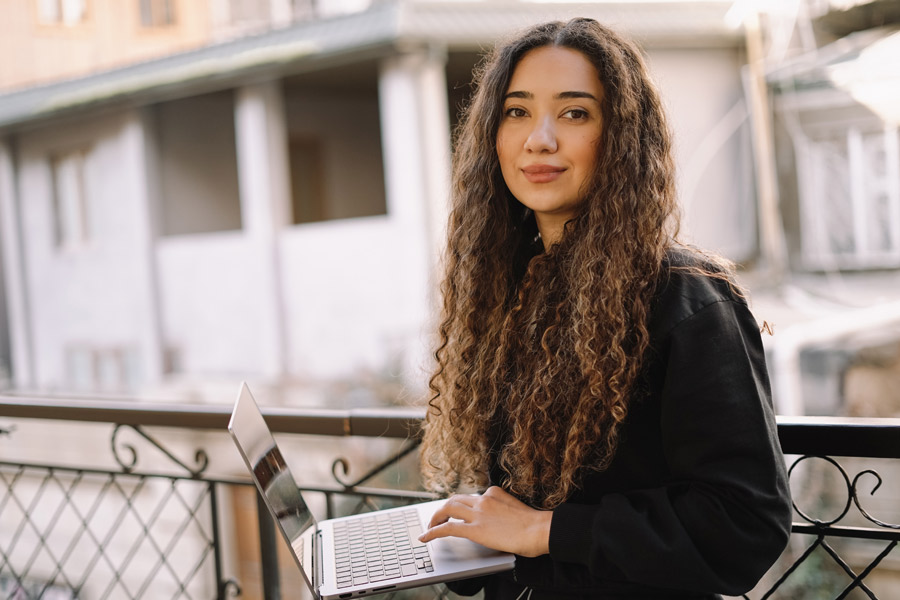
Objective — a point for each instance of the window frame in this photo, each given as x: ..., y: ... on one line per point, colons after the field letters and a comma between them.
x: 60, y: 18
x: 817, y: 251
x: 156, y: 14
x: 70, y: 215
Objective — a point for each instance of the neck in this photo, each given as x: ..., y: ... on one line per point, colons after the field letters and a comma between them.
x: 551, y: 229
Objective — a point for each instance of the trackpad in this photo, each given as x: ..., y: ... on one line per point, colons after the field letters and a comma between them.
x: 454, y: 548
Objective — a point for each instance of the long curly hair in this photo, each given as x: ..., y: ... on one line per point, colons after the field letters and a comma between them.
x: 539, y: 351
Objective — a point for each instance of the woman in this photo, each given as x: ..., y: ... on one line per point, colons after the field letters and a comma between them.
x: 606, y: 385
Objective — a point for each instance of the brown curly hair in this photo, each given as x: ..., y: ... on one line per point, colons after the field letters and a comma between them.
x: 541, y: 349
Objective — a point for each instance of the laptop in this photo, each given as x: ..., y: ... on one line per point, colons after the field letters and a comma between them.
x: 359, y: 555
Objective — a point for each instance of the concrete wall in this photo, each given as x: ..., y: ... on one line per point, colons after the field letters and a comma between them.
x: 210, y: 299
x: 349, y: 307
x: 701, y: 90
x: 96, y: 295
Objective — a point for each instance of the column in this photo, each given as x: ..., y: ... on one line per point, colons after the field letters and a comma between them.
x: 142, y: 131
x: 264, y: 183
x: 19, y: 317
x: 415, y: 132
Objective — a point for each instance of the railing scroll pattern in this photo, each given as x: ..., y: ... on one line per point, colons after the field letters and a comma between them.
x: 882, y: 539
x: 69, y: 533
x: 128, y: 464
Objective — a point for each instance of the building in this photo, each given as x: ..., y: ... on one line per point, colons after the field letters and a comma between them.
x: 832, y: 73
x: 265, y: 200
x: 271, y: 206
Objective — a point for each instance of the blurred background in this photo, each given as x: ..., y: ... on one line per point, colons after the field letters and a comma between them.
x: 195, y: 193
x: 199, y: 192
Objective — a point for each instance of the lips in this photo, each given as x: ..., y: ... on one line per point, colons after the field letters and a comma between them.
x: 542, y: 173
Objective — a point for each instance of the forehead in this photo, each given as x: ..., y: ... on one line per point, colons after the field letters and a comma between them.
x: 555, y: 69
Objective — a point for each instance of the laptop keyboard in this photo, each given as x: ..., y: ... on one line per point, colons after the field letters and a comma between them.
x: 380, y: 547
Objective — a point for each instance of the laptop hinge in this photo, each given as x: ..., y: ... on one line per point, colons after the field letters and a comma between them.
x: 319, y: 573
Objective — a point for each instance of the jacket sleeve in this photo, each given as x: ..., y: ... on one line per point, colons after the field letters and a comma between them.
x: 722, y: 517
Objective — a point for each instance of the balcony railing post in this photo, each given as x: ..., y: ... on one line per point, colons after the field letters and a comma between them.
x: 216, y: 541
x: 268, y: 552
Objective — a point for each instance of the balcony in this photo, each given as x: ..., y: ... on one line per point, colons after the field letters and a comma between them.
x: 121, y: 499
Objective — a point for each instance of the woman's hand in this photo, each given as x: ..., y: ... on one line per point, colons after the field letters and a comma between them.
x: 495, y: 519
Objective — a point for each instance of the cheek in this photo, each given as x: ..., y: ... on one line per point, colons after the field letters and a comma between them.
x: 502, y: 143
x: 589, y: 153
x: 505, y: 157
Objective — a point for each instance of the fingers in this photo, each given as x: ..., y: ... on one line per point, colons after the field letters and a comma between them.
x: 456, y: 507
x: 446, y: 529
x: 466, y: 507
x: 495, y: 519
x: 465, y: 499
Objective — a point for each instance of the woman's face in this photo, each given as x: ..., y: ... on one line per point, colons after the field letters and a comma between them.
x: 549, y: 134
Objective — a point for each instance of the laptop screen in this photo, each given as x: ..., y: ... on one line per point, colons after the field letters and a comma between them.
x: 274, y: 480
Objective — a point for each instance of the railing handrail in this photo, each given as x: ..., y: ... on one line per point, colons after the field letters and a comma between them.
x: 834, y: 436
x: 390, y: 422
x: 839, y: 436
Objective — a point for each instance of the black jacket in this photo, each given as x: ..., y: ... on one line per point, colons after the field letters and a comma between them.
x: 696, y: 501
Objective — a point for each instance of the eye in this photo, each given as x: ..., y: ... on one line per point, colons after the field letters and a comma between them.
x: 514, y: 112
x: 576, y: 114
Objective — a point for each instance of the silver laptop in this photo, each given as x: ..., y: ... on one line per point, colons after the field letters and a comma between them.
x: 363, y: 554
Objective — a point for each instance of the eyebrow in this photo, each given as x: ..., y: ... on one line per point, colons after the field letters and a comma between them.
x: 559, y: 96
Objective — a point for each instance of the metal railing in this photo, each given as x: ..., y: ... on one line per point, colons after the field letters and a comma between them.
x: 123, y: 532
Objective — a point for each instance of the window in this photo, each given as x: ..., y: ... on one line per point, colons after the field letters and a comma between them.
x: 307, y: 186
x: 334, y: 152
x: 70, y: 219
x: 157, y: 13
x: 850, y: 198
x: 248, y: 11
x: 304, y: 10
x: 62, y: 12
x: 197, y: 163
x: 102, y: 369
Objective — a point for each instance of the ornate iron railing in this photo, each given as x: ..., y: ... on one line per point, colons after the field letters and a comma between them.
x: 833, y: 523
x: 107, y: 530
x: 127, y: 532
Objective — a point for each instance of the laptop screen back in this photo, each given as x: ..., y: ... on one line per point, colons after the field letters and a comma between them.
x: 274, y: 480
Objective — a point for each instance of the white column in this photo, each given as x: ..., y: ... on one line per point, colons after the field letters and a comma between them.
x: 264, y: 183
x: 415, y: 125
x: 13, y: 263
x: 143, y: 138
x: 415, y: 134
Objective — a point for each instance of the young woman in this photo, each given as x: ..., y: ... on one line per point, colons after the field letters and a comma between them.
x: 605, y: 385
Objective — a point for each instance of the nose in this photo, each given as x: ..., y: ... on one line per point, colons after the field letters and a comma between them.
x: 542, y: 137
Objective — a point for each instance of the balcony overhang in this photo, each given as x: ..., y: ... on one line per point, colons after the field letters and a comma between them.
x: 383, y: 30
x: 858, y: 68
